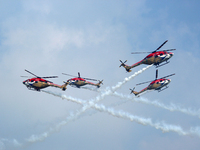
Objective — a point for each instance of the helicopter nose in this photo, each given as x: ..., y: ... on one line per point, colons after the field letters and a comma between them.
x: 171, y: 54
x: 24, y: 82
x: 169, y: 80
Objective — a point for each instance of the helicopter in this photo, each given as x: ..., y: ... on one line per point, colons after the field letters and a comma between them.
x: 157, y: 84
x: 79, y: 82
x: 156, y: 58
x: 38, y: 83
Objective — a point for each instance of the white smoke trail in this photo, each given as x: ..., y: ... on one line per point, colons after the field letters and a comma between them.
x: 2, y: 147
x: 171, y: 107
x: 86, y: 105
x: 129, y: 78
x: 96, y: 89
x: 164, y: 127
x: 43, y: 136
x: 74, y: 116
x: 71, y: 117
x: 12, y: 143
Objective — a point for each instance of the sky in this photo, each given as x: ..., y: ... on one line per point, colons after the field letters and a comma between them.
x: 54, y: 37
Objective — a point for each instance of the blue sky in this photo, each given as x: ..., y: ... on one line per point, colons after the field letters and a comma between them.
x: 90, y: 37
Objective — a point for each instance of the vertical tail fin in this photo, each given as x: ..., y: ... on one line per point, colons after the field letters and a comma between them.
x: 64, y: 86
x: 134, y: 92
x: 98, y: 84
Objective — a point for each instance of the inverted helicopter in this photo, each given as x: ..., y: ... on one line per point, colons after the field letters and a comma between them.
x: 157, y: 84
x: 156, y: 58
x: 79, y: 82
x: 39, y: 83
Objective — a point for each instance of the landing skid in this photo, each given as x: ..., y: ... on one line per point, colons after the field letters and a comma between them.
x: 163, y: 89
x: 162, y: 64
x: 75, y: 86
x: 33, y: 89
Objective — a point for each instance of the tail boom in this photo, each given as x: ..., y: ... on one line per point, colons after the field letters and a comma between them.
x: 137, y: 93
x: 63, y: 87
x: 136, y: 64
x: 128, y: 68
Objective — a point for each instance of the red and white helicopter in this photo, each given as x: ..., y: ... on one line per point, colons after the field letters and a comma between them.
x: 157, y: 84
x: 40, y: 83
x: 156, y: 58
x: 79, y: 82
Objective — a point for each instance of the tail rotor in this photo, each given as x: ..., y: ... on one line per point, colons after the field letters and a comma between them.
x: 100, y: 82
x: 122, y: 63
x: 132, y: 90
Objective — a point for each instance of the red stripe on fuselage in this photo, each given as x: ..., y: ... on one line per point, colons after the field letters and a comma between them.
x: 77, y: 79
x: 157, y: 53
x: 137, y: 63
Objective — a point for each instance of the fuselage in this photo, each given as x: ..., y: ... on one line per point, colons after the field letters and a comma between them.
x: 155, y: 85
x: 36, y: 83
x: 39, y: 83
x: 78, y: 82
x: 154, y: 58
x: 157, y: 57
x: 158, y: 84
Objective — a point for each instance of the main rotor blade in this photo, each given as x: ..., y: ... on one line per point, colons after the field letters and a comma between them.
x: 169, y: 50
x: 50, y: 77
x: 80, y: 77
x: 40, y: 77
x: 69, y: 75
x: 90, y: 79
x: 87, y: 78
x: 25, y: 76
x: 153, y: 51
x: 30, y: 73
x: 140, y: 52
x: 168, y: 76
x: 144, y: 82
x: 156, y: 78
x: 162, y: 45
x: 156, y: 74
